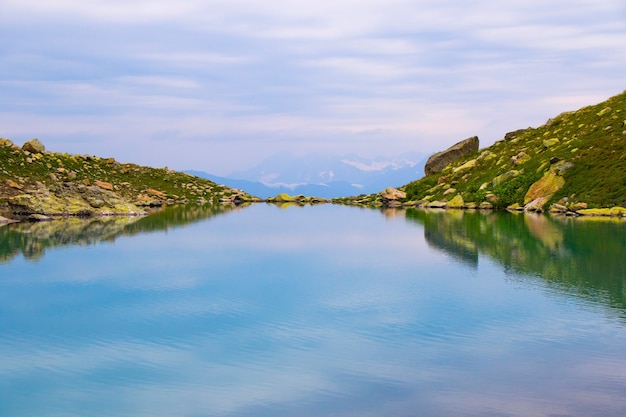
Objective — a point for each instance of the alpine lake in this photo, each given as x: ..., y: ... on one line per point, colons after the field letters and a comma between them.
x: 313, y: 311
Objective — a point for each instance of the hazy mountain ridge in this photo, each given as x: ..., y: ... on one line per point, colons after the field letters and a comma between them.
x: 322, y: 176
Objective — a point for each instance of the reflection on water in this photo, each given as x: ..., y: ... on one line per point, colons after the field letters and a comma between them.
x: 314, y: 311
x: 584, y: 256
x: 31, y: 239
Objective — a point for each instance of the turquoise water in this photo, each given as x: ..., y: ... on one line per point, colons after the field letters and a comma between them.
x: 313, y: 311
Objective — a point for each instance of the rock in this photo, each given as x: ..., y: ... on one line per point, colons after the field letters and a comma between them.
x: 504, y: 177
x: 548, y: 143
x: 34, y: 146
x: 436, y: 204
x: 604, y: 111
x: 13, y: 184
x: 38, y: 218
x: 513, y: 135
x: 521, y: 158
x: 515, y: 207
x: 492, y: 198
x: 70, y: 199
x: 437, y: 162
x: 557, y: 208
x: 536, y: 205
x: 613, y: 212
x: 485, y: 205
x: 578, y: 206
x: 562, y: 166
x: 391, y: 194
x: 545, y: 187
x: 456, y: 202
x: 468, y: 165
x: 156, y: 193
x: 4, y: 220
x: 450, y: 191
x: 6, y: 142
x: 104, y: 185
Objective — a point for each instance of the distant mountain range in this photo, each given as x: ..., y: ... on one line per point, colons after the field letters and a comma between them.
x: 322, y: 176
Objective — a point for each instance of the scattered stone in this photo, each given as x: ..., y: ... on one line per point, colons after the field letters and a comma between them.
x: 557, y: 208
x: 521, y: 158
x: 485, y: 205
x: 104, y: 185
x: 6, y: 142
x: 504, y: 177
x: 468, y: 165
x: 38, y: 218
x: 13, y: 184
x: 34, y: 146
x: 604, y: 111
x: 515, y: 207
x: 578, y: 206
x: 548, y: 143
x: 437, y: 162
x: 436, y: 204
x: 513, y: 135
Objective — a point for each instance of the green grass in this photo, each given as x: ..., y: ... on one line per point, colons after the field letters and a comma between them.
x: 593, y: 139
x: 129, y: 180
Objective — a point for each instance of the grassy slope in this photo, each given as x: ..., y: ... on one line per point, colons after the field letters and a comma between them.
x: 593, y: 139
x: 129, y: 180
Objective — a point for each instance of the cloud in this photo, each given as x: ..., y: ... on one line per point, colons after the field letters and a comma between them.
x: 372, y: 75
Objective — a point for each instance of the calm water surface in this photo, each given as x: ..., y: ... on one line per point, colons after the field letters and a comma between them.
x: 314, y: 311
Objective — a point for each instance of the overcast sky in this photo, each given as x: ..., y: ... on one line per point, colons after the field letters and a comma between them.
x: 218, y: 85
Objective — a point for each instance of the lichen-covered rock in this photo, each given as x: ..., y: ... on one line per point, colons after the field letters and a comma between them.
x: 456, y: 202
x: 34, y: 146
x: 437, y: 162
x: 613, y: 212
x: 468, y: 165
x: 548, y: 143
x: 520, y: 159
x: 546, y: 186
x: 504, y: 177
x: 6, y: 142
x: 68, y: 199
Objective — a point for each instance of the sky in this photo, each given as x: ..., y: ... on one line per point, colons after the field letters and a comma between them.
x: 219, y: 85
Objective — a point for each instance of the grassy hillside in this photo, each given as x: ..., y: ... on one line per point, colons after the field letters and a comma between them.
x: 576, y: 160
x: 28, y: 175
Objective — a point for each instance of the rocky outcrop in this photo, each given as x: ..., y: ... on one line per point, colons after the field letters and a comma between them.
x: 68, y: 199
x: 391, y: 197
x: 34, y: 146
x: 437, y: 162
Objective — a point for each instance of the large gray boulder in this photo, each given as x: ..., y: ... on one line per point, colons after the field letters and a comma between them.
x: 437, y: 162
x: 34, y: 146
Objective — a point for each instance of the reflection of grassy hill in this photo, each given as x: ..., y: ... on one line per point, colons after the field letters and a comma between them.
x: 32, y: 239
x: 585, y: 257
x: 579, y: 156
